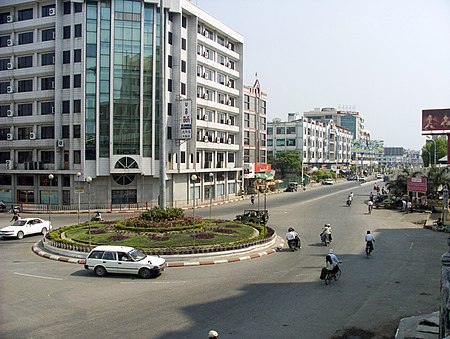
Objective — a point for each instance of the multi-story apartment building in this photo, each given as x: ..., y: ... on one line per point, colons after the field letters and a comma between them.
x: 319, y: 144
x: 80, y: 103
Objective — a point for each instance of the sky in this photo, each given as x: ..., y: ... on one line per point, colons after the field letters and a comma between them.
x: 387, y: 59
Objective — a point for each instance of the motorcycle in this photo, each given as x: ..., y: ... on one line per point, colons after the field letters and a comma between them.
x: 349, y: 202
x: 97, y: 217
x: 325, y: 238
x: 294, y: 244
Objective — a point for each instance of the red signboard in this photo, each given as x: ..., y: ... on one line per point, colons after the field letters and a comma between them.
x: 417, y: 184
x: 263, y: 168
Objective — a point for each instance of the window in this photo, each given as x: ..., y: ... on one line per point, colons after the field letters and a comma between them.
x: 78, y: 31
x: 77, y: 7
x: 77, y: 157
x: 4, y: 86
x: 231, y: 157
x: 77, y: 81
x: 48, y: 34
x: 169, y: 133
x: 169, y: 61
x: 183, y: 44
x: 169, y: 85
x: 3, y: 110
x: 183, y: 21
x: 25, y: 61
x: 47, y: 132
x: 281, y: 142
x: 66, y: 106
x: 77, y: 131
x: 25, y: 85
x: 183, y: 66
x: 47, y: 59
x: 281, y: 130
x: 290, y: 142
x: 183, y: 89
x: 48, y: 157
x: 24, y: 133
x: 77, y: 54
x: 67, y: 7
x: 169, y: 108
x: 47, y: 107
x: 4, y: 17
x: 24, y: 110
x: 25, y: 14
x: 66, y: 32
x: 221, y: 40
x: 66, y: 57
x: 77, y: 106
x: 290, y: 130
x: 3, y: 133
x: 25, y: 38
x: 66, y: 81
x: 65, y: 131
x: 4, y: 64
x: 46, y: 10
x: 25, y: 156
x: 47, y: 83
x: 4, y: 40
x: 169, y: 38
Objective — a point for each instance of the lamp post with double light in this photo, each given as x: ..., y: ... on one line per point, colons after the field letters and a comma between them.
x: 50, y: 178
x: 211, y: 178
x: 89, y: 180
x: 78, y: 190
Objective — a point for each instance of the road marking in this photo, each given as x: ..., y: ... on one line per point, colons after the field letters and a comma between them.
x: 37, y: 276
x: 411, y: 246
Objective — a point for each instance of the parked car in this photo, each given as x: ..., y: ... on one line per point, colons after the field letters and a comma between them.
x: 255, y: 216
x: 328, y: 181
x: 123, y: 259
x: 21, y: 227
x: 352, y: 177
x: 362, y: 179
x: 292, y: 187
x: 379, y: 176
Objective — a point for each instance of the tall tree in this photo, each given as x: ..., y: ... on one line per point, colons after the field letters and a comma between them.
x: 438, y: 145
x: 286, y: 162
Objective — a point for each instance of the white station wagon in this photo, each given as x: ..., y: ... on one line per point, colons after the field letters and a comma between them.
x: 25, y: 226
x: 125, y: 260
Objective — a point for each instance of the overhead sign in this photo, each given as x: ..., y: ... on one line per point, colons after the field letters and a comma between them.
x: 435, y: 121
x: 185, y: 120
x: 417, y: 184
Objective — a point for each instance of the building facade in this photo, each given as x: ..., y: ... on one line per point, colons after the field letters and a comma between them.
x: 80, y: 102
x: 319, y: 144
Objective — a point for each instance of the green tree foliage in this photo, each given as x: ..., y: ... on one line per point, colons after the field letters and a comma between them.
x: 428, y: 151
x: 399, y: 186
x: 437, y: 176
x: 286, y: 162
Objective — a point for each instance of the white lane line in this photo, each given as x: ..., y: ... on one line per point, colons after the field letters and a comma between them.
x: 411, y: 246
x: 36, y: 276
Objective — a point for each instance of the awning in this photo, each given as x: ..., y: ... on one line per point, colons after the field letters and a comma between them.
x: 264, y: 175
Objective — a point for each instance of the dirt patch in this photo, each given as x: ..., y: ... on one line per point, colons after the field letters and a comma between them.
x: 387, y: 332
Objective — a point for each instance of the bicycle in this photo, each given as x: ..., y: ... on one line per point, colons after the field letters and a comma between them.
x: 369, y: 249
x: 332, y: 276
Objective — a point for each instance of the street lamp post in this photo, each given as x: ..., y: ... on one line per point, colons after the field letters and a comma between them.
x: 434, y: 141
x: 211, y: 177
x: 50, y: 178
x: 193, y: 178
x: 78, y: 212
x: 89, y: 180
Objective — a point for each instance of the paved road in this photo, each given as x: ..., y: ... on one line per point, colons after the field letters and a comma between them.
x: 277, y: 296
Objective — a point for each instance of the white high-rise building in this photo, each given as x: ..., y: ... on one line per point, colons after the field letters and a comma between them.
x: 80, y: 99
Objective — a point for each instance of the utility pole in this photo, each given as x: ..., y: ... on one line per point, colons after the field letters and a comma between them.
x: 162, y: 111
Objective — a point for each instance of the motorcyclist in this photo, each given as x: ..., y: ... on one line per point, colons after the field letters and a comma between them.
x: 349, y: 199
x: 326, y: 233
x: 369, y: 242
x: 291, y: 235
x: 97, y: 216
x: 370, y: 206
x: 334, y: 260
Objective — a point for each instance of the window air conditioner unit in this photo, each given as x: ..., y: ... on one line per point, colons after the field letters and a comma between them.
x: 229, y: 141
x: 51, y: 11
x: 60, y: 143
x: 9, y: 42
x: 229, y: 102
x: 32, y: 136
x: 205, y: 75
x: 206, y: 54
x: 205, y: 33
x: 9, y: 89
x: 228, y: 64
x: 205, y: 96
x: 9, y: 136
x: 230, y: 45
x: 218, y: 140
x: 9, y: 18
x: 205, y: 117
x: 9, y: 164
x: 205, y: 138
x: 10, y: 65
x: 229, y: 121
x: 229, y: 84
x: 9, y: 113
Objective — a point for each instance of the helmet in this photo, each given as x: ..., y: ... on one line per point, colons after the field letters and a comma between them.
x: 290, y: 229
x: 331, y: 251
x: 213, y: 334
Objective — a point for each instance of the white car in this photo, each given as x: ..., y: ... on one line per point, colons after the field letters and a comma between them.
x: 379, y: 176
x: 327, y: 181
x: 125, y: 260
x: 22, y: 227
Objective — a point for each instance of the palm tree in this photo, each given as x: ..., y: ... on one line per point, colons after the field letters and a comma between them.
x: 438, y: 176
x: 399, y: 186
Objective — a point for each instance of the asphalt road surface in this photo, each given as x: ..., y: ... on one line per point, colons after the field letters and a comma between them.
x: 276, y: 296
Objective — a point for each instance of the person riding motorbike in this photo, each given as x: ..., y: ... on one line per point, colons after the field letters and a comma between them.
x: 325, y: 236
x: 335, y: 261
x: 349, y: 199
x: 293, y: 238
x: 97, y: 216
x: 369, y: 242
x: 370, y: 206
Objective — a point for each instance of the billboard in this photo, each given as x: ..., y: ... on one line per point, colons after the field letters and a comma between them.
x: 434, y: 120
x: 417, y: 184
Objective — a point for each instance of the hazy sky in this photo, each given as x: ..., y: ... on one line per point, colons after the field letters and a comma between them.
x: 389, y: 59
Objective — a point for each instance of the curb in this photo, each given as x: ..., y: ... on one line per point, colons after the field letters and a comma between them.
x: 207, y: 261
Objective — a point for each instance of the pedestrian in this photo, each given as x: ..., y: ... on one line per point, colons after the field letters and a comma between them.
x: 370, y: 206
x: 409, y: 208
x: 213, y: 334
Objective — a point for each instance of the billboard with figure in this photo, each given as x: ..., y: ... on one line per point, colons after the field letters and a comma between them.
x: 435, y: 121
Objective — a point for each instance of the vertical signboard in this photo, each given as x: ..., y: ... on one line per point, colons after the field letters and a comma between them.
x: 186, y: 120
